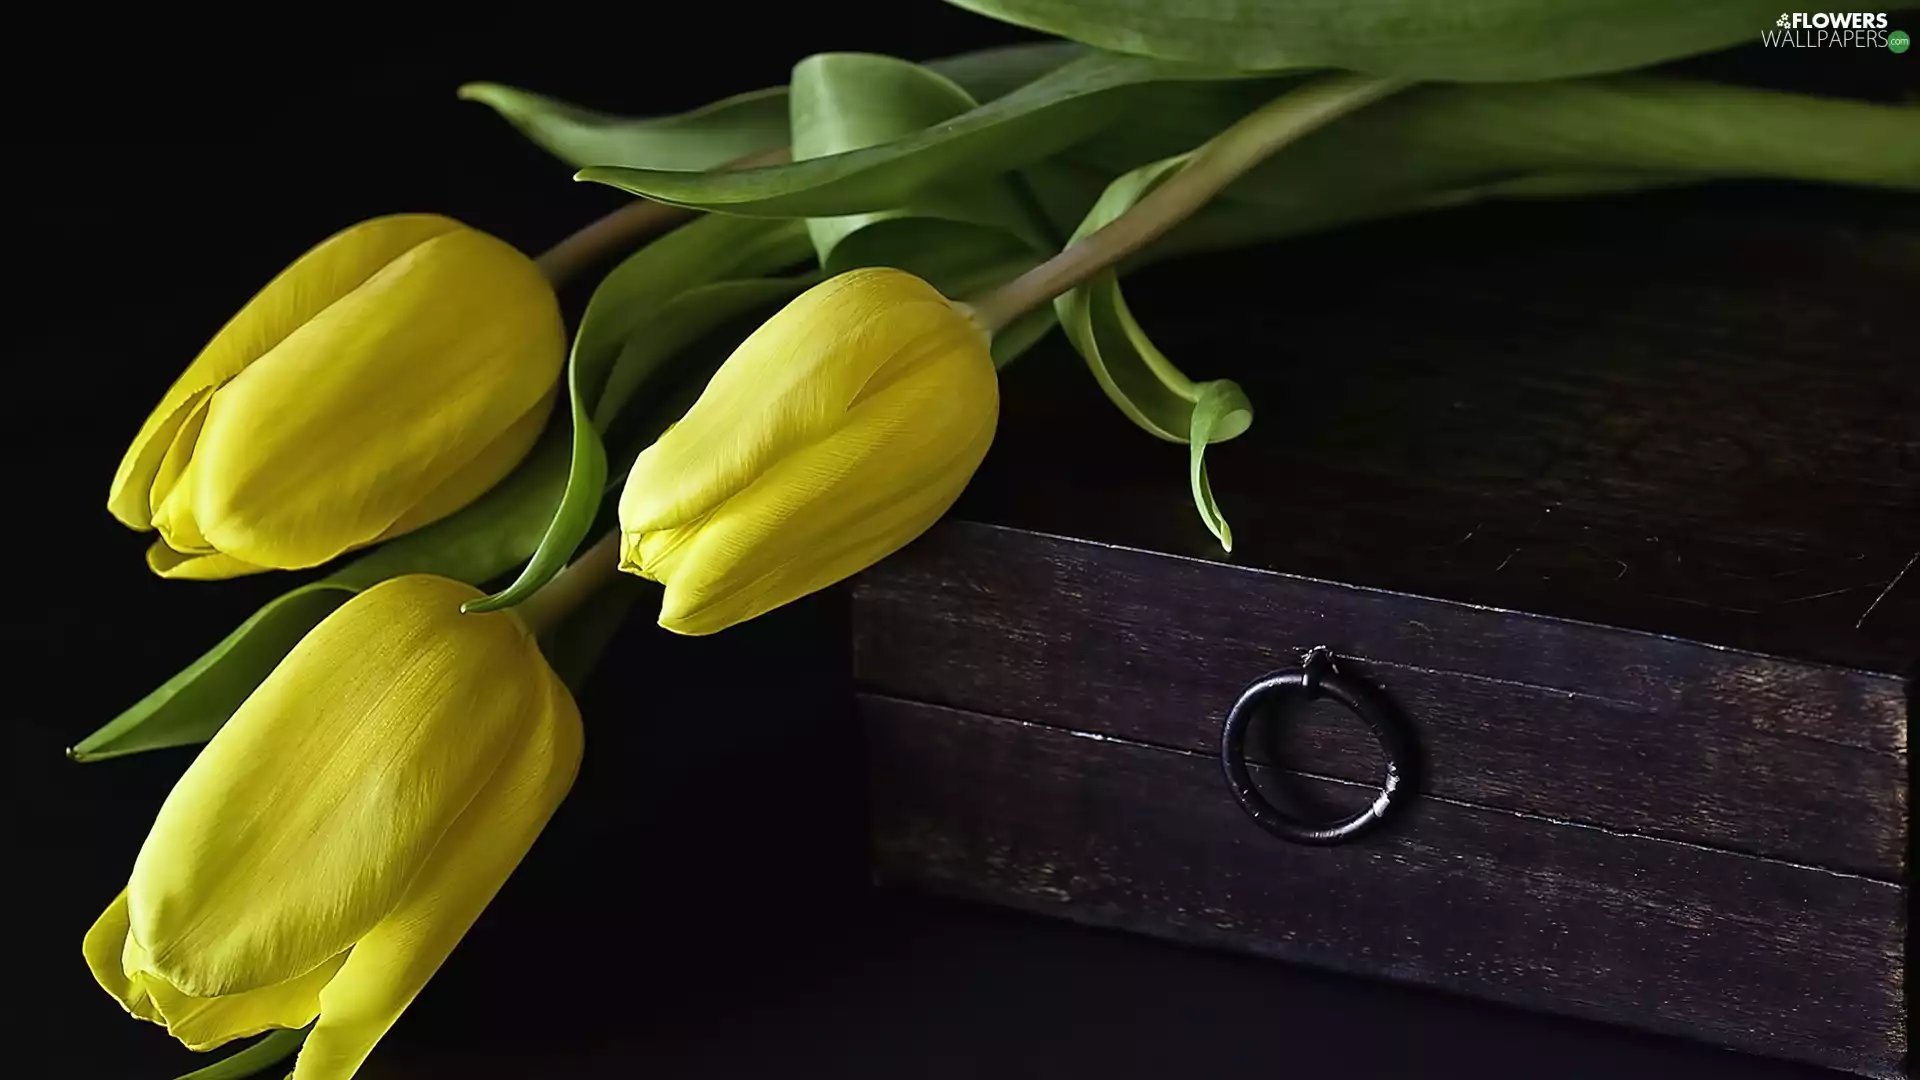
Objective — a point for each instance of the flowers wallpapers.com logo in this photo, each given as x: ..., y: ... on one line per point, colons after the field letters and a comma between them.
x: 1827, y: 29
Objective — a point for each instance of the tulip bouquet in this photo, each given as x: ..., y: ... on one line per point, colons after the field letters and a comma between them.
x: 405, y: 408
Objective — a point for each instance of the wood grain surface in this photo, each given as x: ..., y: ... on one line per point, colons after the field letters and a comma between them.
x: 1788, y: 961
x: 1589, y: 724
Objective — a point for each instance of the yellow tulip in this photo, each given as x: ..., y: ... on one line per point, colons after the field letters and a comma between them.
x: 387, y: 378
x: 333, y: 842
x: 838, y: 431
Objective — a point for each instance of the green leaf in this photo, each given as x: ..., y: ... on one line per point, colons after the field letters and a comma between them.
x: 1431, y: 145
x: 1452, y: 136
x: 192, y: 705
x: 1149, y: 389
x: 1221, y: 413
x: 1436, y: 40
x: 706, y: 138
x: 1027, y: 125
x: 696, y: 254
x: 476, y: 544
x: 1135, y: 375
x: 705, y: 250
x: 729, y: 129
x: 843, y: 102
x: 585, y: 475
x: 275, y: 1046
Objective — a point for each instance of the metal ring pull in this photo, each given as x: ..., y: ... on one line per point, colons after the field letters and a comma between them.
x: 1318, y: 677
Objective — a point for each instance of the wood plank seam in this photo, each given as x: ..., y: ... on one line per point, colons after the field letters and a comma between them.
x: 1423, y: 796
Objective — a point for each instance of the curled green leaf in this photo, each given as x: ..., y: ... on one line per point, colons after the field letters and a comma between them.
x: 1146, y: 386
x: 1140, y: 379
x: 1135, y: 375
x: 1221, y: 412
x: 586, y: 472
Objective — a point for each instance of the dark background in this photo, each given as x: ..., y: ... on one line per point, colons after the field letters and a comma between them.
x: 698, y: 906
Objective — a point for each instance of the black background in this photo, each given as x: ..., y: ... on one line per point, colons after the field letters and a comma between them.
x: 698, y: 906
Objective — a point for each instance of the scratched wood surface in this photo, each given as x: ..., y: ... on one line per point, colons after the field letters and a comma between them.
x: 1751, y: 953
x: 1566, y: 720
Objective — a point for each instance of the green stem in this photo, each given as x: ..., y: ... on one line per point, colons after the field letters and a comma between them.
x: 1213, y: 166
x: 619, y: 230
x: 571, y: 587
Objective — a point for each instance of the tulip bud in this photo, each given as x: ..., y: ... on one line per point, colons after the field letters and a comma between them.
x: 331, y: 845
x: 387, y: 378
x: 838, y: 431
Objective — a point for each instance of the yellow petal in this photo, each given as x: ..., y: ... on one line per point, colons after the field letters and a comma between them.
x: 131, y: 500
x: 200, y: 1023
x: 392, y: 963
x: 306, y: 818
x: 208, y: 1023
x: 179, y: 449
x: 789, y: 384
x: 105, y: 942
x: 895, y: 462
x: 190, y: 566
x: 173, y: 516
x: 478, y: 476
x: 472, y: 481
x: 323, y: 275
x: 325, y: 442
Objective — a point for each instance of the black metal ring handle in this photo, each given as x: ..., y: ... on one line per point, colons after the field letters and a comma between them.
x: 1317, y: 678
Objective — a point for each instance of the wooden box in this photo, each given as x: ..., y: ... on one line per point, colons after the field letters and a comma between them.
x: 1615, y: 505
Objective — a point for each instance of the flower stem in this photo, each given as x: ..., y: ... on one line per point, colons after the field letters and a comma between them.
x: 569, y: 588
x: 1213, y: 166
x: 635, y: 221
